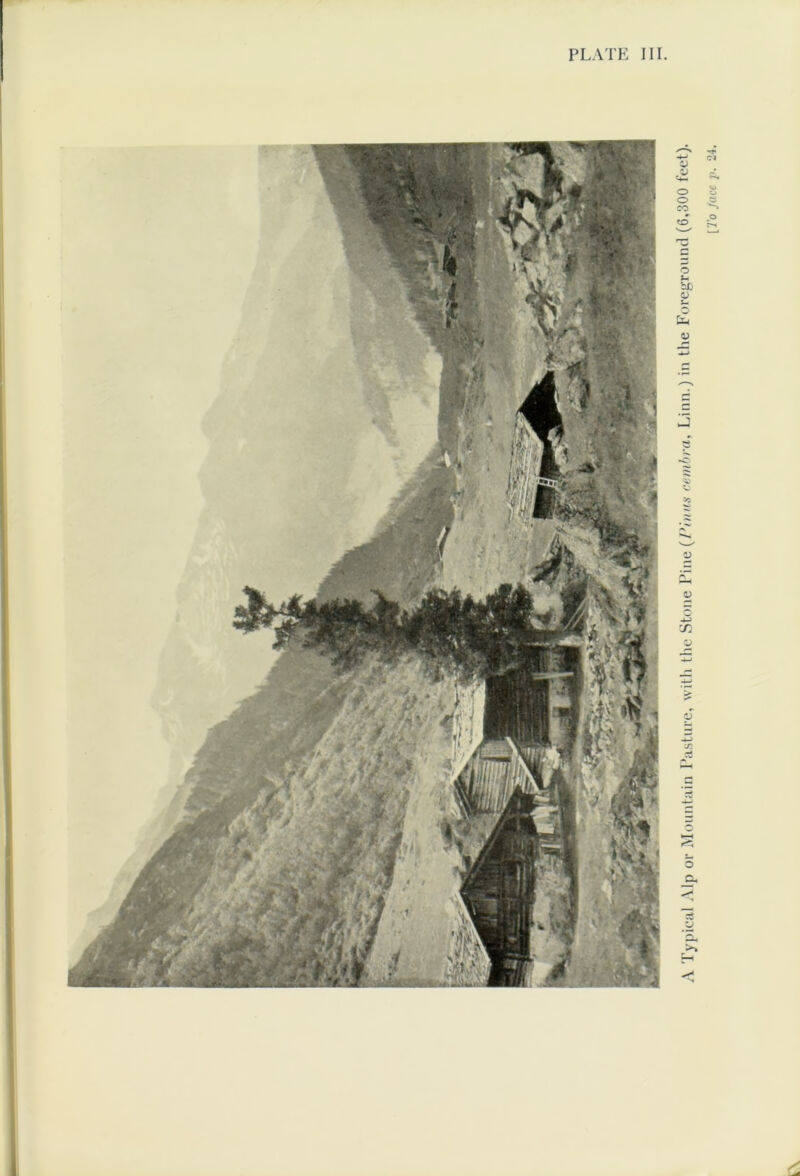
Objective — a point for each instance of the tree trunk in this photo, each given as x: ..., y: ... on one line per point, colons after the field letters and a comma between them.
x: 533, y: 638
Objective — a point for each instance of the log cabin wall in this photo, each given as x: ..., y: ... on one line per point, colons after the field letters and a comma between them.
x: 531, y: 710
x: 517, y: 707
x: 483, y: 902
x: 545, y: 497
x: 499, y: 892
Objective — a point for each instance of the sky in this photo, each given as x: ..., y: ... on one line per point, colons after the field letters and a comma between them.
x: 158, y: 248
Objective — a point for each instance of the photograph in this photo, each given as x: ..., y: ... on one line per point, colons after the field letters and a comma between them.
x: 360, y: 564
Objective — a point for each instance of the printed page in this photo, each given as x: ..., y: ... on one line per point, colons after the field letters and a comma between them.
x: 400, y: 426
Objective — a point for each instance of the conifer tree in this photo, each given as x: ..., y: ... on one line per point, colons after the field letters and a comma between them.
x: 451, y: 633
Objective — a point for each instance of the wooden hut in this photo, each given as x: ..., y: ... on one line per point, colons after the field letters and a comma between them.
x: 535, y: 703
x: 499, y: 890
x: 533, y: 472
x: 498, y: 770
x: 494, y: 773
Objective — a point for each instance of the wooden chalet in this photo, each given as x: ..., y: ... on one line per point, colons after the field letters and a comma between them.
x: 510, y: 791
x: 535, y: 703
x: 500, y: 769
x: 505, y: 731
x: 533, y: 472
x: 499, y: 892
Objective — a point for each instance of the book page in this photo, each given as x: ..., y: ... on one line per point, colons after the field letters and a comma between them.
x: 381, y: 550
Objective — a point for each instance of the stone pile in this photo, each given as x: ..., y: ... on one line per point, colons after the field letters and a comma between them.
x: 540, y: 210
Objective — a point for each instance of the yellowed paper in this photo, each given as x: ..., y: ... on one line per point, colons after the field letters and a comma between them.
x: 699, y: 1074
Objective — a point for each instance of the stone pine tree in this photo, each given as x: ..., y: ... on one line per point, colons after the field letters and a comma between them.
x: 451, y: 633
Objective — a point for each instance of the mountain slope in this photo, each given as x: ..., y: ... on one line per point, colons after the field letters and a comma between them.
x: 271, y: 737
x: 327, y: 405
x: 296, y: 882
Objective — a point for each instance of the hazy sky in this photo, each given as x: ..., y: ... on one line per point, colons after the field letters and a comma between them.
x: 158, y: 249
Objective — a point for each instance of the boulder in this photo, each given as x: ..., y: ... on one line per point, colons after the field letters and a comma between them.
x: 532, y: 172
x: 561, y: 454
x: 530, y: 213
x: 509, y: 185
x: 576, y: 317
x: 523, y: 233
x: 567, y: 350
x: 570, y: 161
x: 575, y: 390
x: 557, y: 285
x: 532, y: 274
x: 529, y: 252
x: 548, y: 316
x: 553, y: 214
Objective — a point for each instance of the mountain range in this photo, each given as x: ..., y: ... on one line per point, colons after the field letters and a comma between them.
x: 326, y: 422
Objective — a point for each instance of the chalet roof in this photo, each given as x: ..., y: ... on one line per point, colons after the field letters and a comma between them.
x: 468, y: 961
x: 468, y: 717
x: 532, y: 454
x: 520, y: 802
x: 499, y: 891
